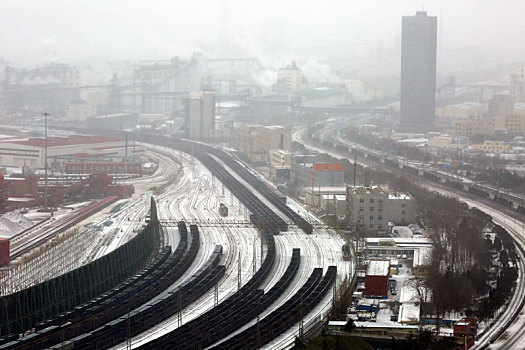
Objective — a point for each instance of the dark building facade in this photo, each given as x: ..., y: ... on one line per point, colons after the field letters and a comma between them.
x: 418, y: 72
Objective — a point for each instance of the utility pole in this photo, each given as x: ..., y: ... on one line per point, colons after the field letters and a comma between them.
x: 239, y: 272
x: 45, y: 114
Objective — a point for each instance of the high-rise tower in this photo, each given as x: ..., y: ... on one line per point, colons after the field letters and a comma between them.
x: 418, y: 71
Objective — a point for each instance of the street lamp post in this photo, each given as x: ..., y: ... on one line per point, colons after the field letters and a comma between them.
x: 45, y: 114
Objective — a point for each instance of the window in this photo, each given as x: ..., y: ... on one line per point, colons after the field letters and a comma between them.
x: 379, y: 218
x: 403, y: 205
x: 380, y: 226
x: 403, y: 212
x: 361, y: 209
x: 371, y: 225
x: 362, y: 200
x: 380, y: 200
x: 371, y: 217
x: 371, y: 200
x: 380, y: 210
x: 371, y: 208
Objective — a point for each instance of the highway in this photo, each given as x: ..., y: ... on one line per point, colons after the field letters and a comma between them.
x: 514, y: 335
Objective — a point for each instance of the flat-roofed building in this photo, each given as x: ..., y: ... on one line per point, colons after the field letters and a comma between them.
x: 30, y: 152
x: 256, y: 141
x: 376, y: 278
x: 367, y: 208
x: 200, y: 115
x: 401, y: 208
x: 492, y: 146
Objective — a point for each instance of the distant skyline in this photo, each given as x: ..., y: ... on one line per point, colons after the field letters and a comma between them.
x: 83, y: 32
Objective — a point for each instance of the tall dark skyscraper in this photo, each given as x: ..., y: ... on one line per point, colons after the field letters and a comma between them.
x: 418, y: 71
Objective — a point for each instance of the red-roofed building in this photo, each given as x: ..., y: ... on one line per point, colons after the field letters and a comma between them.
x: 30, y: 152
x: 328, y: 166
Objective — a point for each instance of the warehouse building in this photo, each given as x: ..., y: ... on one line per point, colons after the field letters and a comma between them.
x: 61, y: 150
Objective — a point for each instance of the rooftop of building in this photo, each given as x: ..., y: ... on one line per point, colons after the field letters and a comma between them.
x: 367, y: 189
x: 63, y: 141
x: 378, y: 267
x: 328, y: 166
x: 400, y: 241
x: 398, y: 195
x: 116, y: 115
x: 466, y: 105
x: 326, y: 190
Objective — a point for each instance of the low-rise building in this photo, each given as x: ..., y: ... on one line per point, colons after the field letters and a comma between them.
x: 256, y: 141
x: 440, y: 142
x: 280, y: 158
x: 492, y: 146
x: 367, y: 209
x: 376, y: 278
x: 471, y: 127
x: 515, y: 123
x: 61, y: 150
x: 305, y: 173
x: 401, y: 208
x: 314, y: 195
x: 416, y: 249
x: 463, y: 110
x: 334, y: 204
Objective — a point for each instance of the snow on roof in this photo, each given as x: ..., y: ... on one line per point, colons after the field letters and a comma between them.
x: 408, y: 313
x: 400, y: 241
x: 378, y: 267
x: 395, y: 195
x: 69, y: 141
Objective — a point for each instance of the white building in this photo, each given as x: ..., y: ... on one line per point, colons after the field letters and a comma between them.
x: 280, y: 158
x: 371, y: 208
x: 200, y: 115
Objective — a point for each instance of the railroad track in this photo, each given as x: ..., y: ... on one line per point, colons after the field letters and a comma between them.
x: 29, y: 242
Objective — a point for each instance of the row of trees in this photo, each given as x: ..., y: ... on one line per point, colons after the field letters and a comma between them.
x: 389, y: 146
x: 461, y: 262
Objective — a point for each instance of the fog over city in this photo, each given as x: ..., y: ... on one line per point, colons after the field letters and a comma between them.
x: 97, y: 31
x: 249, y: 174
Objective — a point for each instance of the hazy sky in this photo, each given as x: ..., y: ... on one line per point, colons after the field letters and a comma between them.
x: 39, y: 31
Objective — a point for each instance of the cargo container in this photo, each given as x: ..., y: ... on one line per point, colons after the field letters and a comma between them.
x: 4, y: 251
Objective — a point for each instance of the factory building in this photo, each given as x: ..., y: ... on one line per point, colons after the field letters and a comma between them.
x: 305, y: 173
x: 256, y: 142
x: 61, y: 150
